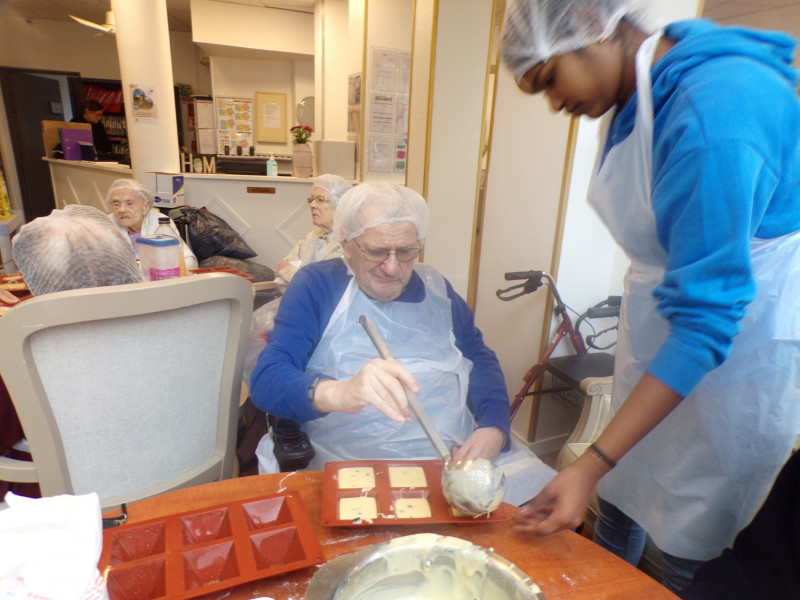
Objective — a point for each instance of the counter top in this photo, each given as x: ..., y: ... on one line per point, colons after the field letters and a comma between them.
x: 89, y: 164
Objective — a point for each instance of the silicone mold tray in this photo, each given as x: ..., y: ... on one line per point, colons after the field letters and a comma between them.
x: 200, y: 552
x: 389, y: 501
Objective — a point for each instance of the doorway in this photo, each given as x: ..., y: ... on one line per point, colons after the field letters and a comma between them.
x: 31, y: 97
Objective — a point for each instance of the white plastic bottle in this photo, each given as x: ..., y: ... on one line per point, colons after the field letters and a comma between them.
x: 272, y: 167
x: 160, y: 257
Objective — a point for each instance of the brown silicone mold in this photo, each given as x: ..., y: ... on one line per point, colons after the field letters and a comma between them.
x: 388, y: 500
x: 200, y: 552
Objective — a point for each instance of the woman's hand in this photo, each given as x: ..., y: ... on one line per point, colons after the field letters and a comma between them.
x: 379, y: 383
x: 484, y: 442
x: 282, y: 264
x: 563, y: 502
x: 7, y: 297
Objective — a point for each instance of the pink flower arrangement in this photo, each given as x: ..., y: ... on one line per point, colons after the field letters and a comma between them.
x: 301, y: 133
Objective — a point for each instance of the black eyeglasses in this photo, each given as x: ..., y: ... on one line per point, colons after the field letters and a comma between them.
x: 379, y: 255
x: 318, y: 199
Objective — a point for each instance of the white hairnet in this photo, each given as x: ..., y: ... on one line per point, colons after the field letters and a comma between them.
x: 77, y: 247
x: 377, y: 202
x: 136, y: 186
x: 333, y: 184
x: 535, y: 30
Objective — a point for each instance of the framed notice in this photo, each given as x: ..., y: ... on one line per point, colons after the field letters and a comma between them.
x: 271, y: 118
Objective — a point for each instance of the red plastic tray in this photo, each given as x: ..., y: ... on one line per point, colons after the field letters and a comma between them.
x: 386, y: 496
x: 204, y: 551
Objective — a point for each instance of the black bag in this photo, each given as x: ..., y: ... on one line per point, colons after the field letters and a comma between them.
x: 258, y: 271
x: 210, y: 235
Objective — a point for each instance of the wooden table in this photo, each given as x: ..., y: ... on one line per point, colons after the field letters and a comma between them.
x: 566, y: 566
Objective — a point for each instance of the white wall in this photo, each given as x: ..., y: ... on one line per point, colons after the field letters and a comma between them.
x: 459, y: 81
x: 242, y: 78
x: 253, y: 27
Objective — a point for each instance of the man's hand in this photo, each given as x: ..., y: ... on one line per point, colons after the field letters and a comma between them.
x: 484, y: 442
x: 379, y: 383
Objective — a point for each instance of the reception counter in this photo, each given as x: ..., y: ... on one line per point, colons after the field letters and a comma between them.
x: 270, y: 213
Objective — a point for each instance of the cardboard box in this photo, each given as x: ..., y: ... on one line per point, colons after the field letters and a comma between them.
x: 169, y: 189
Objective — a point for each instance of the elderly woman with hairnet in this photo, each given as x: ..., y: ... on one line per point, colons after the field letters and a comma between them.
x: 318, y: 244
x: 698, y: 182
x: 321, y: 369
x: 74, y: 248
x: 132, y: 208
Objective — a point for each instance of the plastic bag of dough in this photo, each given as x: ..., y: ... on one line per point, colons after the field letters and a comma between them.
x: 49, y: 548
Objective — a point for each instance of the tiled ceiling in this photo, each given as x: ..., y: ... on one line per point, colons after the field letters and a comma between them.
x: 178, y: 11
x: 783, y: 15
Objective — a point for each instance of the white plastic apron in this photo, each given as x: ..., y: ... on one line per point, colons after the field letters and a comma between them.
x: 700, y: 475
x: 438, y: 366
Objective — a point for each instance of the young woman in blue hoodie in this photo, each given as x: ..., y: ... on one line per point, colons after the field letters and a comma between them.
x: 699, y: 183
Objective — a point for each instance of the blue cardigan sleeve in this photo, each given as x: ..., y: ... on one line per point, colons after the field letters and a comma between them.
x: 725, y: 162
x: 279, y: 384
x: 488, y: 395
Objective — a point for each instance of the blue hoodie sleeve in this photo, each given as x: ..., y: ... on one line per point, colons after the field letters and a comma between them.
x: 726, y: 166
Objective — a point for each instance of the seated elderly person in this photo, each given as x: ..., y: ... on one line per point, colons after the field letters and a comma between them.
x: 77, y: 247
x: 321, y: 369
x: 132, y: 208
x: 318, y: 244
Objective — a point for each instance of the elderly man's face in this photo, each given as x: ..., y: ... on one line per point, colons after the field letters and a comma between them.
x: 383, y: 280
x: 129, y: 209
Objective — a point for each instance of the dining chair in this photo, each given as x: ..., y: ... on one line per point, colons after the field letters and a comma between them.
x: 128, y: 391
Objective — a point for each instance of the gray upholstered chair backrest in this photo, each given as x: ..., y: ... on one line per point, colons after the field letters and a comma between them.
x: 128, y: 391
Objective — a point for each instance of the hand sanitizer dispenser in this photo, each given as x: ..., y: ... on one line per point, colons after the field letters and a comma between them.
x: 272, y: 167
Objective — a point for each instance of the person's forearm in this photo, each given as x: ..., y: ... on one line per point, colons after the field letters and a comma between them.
x: 648, y: 404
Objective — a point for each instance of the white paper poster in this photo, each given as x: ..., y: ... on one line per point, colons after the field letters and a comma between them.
x: 145, y: 108
x: 234, y: 123
x: 272, y: 115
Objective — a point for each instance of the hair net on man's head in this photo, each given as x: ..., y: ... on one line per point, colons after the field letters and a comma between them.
x: 333, y: 184
x: 535, y: 30
x: 136, y: 186
x: 77, y: 247
x: 377, y: 202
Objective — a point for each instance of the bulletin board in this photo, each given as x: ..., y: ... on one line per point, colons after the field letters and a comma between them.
x: 271, y: 118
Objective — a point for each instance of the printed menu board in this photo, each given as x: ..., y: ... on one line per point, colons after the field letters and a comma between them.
x: 234, y: 122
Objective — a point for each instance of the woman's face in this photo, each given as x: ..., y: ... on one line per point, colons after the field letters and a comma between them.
x: 129, y: 209
x: 321, y: 208
x: 584, y: 82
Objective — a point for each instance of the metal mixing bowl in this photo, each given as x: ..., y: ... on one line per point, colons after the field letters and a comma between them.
x: 422, y: 567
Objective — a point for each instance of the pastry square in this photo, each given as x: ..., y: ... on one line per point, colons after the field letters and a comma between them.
x: 412, y: 508
x: 362, y: 507
x: 356, y: 478
x: 407, y: 477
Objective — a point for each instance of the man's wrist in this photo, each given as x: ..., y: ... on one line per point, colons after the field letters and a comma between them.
x: 312, y: 393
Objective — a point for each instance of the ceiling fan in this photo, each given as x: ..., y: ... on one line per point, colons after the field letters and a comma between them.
x: 107, y: 27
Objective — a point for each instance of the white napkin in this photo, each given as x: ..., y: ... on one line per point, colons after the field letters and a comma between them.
x: 49, y: 548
